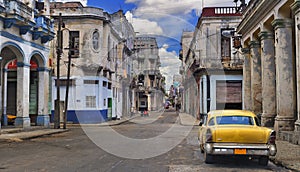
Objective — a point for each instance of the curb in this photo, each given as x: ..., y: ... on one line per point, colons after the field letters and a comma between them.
x: 29, y: 135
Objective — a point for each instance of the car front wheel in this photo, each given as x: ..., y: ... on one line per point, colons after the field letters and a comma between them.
x: 208, y: 159
x: 263, y: 160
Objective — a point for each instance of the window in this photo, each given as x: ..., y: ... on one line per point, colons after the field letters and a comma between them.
x: 104, y: 84
x: 226, y: 35
x: 211, y: 122
x: 90, y: 101
x: 104, y: 102
x: 91, y: 82
x: 235, y: 120
x: 74, y: 44
x: 95, y: 39
x: 63, y: 82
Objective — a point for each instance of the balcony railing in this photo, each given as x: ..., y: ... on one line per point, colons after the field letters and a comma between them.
x: 221, y: 64
x: 219, y: 11
x: 43, y: 29
x: 16, y: 7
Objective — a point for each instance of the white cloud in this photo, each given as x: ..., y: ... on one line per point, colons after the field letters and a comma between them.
x: 171, y: 7
x: 144, y: 26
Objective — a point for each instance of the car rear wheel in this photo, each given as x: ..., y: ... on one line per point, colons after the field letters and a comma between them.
x: 263, y: 160
x: 208, y: 159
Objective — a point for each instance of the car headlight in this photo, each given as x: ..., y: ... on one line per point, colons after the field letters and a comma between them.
x: 208, y: 147
x: 272, y: 150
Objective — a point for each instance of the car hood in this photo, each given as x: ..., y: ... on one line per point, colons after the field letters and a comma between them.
x: 240, y: 134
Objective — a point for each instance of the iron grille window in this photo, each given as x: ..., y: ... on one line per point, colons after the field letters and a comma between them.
x: 63, y: 82
x: 90, y: 101
x: 96, y: 82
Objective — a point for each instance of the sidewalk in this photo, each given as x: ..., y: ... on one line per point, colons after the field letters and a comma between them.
x: 19, y: 134
x: 288, y: 155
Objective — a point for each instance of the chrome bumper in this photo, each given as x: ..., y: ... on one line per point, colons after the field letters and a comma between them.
x: 250, y: 149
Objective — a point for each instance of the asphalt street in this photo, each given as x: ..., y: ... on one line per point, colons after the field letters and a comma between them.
x: 95, y: 148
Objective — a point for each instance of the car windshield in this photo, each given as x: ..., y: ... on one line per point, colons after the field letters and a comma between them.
x: 239, y: 120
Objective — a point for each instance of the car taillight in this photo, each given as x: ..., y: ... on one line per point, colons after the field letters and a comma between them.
x: 272, y: 137
x: 209, y: 137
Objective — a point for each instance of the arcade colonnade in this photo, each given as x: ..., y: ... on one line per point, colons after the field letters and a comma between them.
x: 271, y: 37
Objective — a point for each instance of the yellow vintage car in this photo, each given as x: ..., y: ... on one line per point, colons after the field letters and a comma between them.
x: 235, y: 132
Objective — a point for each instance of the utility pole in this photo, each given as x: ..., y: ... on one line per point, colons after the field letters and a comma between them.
x: 58, y: 51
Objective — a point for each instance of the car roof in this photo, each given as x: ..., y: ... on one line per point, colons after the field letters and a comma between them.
x: 231, y: 112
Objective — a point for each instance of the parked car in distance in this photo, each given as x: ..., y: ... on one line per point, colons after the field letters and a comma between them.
x: 237, y: 133
x: 167, y: 104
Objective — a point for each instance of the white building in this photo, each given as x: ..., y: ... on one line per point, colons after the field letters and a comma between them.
x: 25, y: 32
x: 102, y: 41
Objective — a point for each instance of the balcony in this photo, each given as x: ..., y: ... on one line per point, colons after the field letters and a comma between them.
x: 43, y: 29
x: 228, y: 64
x: 18, y: 13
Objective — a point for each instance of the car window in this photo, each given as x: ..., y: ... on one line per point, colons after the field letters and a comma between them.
x: 239, y: 120
x: 211, y: 122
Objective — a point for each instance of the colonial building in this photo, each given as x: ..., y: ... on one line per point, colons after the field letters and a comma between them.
x: 25, y: 32
x: 211, y: 66
x: 147, y: 85
x: 100, y: 45
x: 270, y: 36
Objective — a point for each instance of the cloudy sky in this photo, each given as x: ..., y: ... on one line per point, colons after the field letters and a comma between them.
x: 166, y: 19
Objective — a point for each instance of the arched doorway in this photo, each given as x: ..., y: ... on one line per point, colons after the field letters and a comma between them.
x: 10, y: 54
x: 38, y: 88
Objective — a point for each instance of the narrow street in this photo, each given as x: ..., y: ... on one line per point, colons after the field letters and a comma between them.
x: 74, y: 151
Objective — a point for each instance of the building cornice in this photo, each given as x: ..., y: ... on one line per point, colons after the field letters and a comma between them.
x: 253, y: 17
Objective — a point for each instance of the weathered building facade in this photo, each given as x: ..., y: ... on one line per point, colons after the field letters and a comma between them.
x: 102, y: 44
x: 25, y: 32
x: 270, y: 36
x: 212, y: 67
x: 147, y: 86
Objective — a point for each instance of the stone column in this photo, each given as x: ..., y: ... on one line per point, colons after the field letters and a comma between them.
x: 4, y: 97
x: 268, y: 79
x: 23, y: 78
x: 43, y: 118
x: 296, y: 9
x: 247, y: 80
x: 255, y: 77
x: 285, y: 79
x: 149, y: 101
